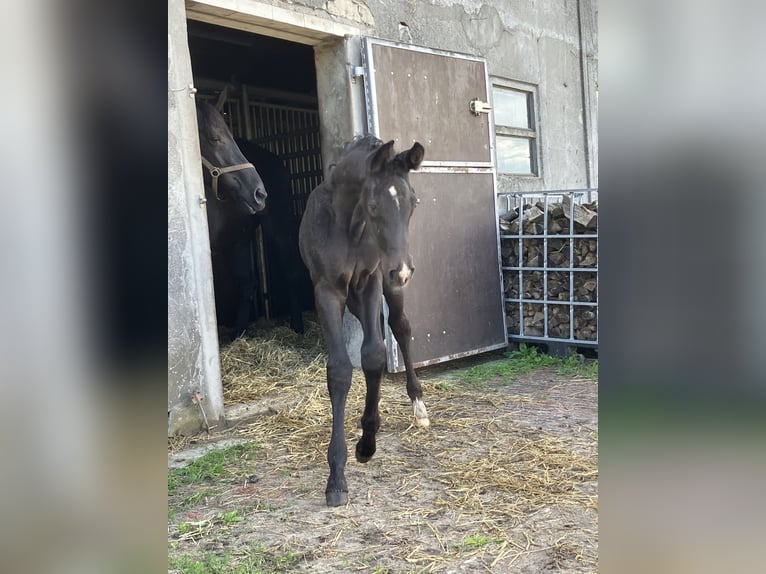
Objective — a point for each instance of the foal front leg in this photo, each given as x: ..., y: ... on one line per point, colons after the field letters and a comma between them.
x: 366, y: 306
x: 329, y: 305
x: 400, y: 326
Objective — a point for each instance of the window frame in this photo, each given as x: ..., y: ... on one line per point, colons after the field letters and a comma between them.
x: 532, y: 134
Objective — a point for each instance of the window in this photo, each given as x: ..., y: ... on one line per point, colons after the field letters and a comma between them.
x: 515, y: 129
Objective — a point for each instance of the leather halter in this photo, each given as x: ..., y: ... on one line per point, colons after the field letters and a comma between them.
x: 216, y: 172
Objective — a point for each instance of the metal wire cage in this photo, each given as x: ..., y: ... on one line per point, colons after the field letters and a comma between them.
x: 549, y: 250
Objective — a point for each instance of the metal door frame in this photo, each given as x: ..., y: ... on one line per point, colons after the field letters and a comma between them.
x: 394, y: 362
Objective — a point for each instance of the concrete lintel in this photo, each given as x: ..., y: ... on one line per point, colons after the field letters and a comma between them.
x: 269, y: 20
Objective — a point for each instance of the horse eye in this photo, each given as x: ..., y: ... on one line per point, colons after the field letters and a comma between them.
x: 373, y: 207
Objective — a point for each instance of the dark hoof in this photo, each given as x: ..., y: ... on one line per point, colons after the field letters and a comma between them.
x: 336, y: 497
x: 364, y: 454
x: 296, y: 323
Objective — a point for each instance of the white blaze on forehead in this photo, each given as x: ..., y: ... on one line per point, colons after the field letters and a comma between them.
x: 394, y: 194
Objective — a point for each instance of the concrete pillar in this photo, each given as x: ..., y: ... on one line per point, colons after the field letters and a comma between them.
x: 193, y: 363
x: 341, y: 117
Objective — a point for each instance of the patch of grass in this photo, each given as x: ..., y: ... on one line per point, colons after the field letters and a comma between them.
x: 208, y: 564
x: 445, y: 385
x: 258, y: 560
x: 575, y: 366
x: 527, y: 358
x: 477, y: 541
x: 196, y: 529
x: 192, y: 500
x: 188, y: 502
x: 264, y: 506
x: 211, y: 466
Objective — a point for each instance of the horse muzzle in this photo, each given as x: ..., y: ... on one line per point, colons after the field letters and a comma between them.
x: 401, y: 275
x: 259, y: 197
x: 259, y: 200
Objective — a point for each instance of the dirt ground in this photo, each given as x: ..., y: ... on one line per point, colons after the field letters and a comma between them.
x: 504, y: 480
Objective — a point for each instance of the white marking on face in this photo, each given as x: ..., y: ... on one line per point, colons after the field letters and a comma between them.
x: 394, y: 194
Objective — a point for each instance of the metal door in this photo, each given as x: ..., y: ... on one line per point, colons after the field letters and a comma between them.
x: 454, y: 302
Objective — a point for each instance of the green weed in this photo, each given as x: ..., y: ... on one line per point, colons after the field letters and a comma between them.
x: 230, y: 517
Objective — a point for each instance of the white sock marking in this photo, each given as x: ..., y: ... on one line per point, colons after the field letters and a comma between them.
x: 421, y: 414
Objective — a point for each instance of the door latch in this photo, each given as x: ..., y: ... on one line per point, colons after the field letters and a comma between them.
x: 478, y: 107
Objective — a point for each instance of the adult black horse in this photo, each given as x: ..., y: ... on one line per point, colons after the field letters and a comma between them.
x: 234, y: 192
x: 354, y: 241
x: 280, y: 235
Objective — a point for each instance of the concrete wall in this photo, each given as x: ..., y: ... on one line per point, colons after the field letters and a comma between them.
x: 551, y: 44
x: 192, y: 339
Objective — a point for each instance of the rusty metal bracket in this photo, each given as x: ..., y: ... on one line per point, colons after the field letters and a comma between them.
x: 197, y: 398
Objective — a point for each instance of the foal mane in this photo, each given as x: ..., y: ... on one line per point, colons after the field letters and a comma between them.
x: 365, y: 142
x: 351, y: 167
x: 347, y: 178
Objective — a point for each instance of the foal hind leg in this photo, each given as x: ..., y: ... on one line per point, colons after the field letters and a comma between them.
x: 400, y: 326
x: 329, y: 305
x: 366, y: 307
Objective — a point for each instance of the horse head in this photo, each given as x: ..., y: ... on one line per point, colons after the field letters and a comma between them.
x: 385, y: 208
x: 229, y: 177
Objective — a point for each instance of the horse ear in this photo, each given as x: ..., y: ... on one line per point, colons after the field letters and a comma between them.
x: 413, y: 157
x: 381, y: 156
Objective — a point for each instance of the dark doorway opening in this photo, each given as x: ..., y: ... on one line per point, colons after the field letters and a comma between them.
x: 266, y: 88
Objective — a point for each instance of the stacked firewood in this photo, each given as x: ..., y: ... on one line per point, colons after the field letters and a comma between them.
x: 569, y: 254
x: 584, y: 320
x: 561, y: 252
x: 584, y: 218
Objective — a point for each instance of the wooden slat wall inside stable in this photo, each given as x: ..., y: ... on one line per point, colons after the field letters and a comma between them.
x: 293, y: 134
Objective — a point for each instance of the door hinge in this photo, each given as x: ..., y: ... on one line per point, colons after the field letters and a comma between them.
x: 356, y: 72
x: 478, y: 107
